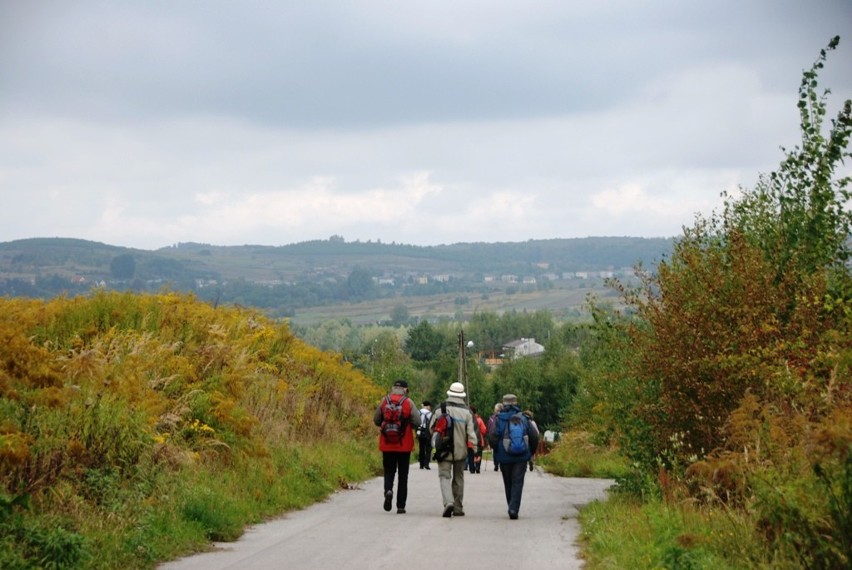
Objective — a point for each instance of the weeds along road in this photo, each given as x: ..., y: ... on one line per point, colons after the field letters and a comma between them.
x: 351, y: 531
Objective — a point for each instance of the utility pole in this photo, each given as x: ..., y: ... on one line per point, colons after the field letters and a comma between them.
x: 463, y: 367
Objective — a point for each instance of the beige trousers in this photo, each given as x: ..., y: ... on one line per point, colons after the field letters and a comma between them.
x: 451, y: 477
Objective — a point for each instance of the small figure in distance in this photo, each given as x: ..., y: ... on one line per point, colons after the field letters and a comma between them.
x: 529, y: 414
x: 474, y: 453
x: 498, y: 407
x: 424, y: 439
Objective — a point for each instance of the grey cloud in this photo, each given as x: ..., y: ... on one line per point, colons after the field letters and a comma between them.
x: 339, y: 65
x: 151, y: 122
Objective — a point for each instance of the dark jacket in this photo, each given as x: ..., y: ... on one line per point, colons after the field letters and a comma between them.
x: 496, y: 427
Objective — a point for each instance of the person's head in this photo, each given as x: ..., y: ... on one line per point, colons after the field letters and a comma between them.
x: 510, y: 400
x: 427, y: 404
x: 457, y: 390
x: 400, y: 385
x: 473, y: 409
x: 498, y: 407
x: 528, y: 413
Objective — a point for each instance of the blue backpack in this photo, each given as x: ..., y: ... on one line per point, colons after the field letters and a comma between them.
x: 516, y: 438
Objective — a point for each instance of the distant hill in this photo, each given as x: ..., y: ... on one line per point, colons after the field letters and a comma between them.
x: 313, y: 273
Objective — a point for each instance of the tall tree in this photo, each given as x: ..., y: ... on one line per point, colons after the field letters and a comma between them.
x: 423, y: 342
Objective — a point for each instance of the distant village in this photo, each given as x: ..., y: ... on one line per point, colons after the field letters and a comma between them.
x: 389, y: 279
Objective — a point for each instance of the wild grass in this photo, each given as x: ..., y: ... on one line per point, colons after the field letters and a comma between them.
x: 576, y: 455
x: 137, y: 428
x: 796, y: 518
x: 624, y: 532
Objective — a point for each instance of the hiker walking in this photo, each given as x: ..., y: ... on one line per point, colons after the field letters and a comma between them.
x: 512, y: 437
x: 474, y: 452
x: 498, y: 407
x: 452, y: 427
x: 424, y: 441
x: 533, y: 450
x: 395, y: 416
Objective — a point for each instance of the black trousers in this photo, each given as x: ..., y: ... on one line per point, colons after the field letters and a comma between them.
x: 425, y: 451
x: 513, y: 483
x: 393, y: 462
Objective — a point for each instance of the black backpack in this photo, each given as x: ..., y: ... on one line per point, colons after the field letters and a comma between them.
x: 442, y: 438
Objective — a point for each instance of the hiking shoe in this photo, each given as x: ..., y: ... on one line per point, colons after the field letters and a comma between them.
x: 388, y: 500
x: 448, y: 511
x: 400, y: 511
x: 513, y: 515
x: 458, y: 513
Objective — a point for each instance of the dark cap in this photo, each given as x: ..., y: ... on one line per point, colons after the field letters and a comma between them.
x: 401, y: 383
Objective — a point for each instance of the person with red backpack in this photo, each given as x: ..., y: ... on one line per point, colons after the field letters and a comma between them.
x: 395, y: 417
x: 474, y: 452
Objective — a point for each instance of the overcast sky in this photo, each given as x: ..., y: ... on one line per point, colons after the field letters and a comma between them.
x: 144, y: 123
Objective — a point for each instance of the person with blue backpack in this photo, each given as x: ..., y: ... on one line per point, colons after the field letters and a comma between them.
x: 514, y: 439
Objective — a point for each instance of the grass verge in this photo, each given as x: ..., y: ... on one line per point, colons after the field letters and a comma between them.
x: 575, y: 455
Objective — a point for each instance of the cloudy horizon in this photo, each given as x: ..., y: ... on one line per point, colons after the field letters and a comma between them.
x: 144, y: 124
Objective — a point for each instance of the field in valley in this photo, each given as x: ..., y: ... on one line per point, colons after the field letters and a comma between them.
x: 568, y: 303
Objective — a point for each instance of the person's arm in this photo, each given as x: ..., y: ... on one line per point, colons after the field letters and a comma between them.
x: 414, y: 415
x: 379, y: 415
x: 534, y: 437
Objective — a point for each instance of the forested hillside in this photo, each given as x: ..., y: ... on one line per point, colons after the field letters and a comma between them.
x: 282, y: 280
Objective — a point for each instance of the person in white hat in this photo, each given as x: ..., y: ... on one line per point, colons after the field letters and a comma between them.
x: 451, y: 466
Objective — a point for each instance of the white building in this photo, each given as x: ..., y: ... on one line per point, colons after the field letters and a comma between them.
x: 523, y: 347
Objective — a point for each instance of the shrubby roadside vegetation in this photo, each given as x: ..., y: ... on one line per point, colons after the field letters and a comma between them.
x: 729, y: 384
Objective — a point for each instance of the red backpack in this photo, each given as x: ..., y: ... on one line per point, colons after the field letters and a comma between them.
x: 442, y: 440
x: 393, y: 420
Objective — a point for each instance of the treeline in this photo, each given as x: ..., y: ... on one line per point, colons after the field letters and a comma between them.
x: 427, y: 356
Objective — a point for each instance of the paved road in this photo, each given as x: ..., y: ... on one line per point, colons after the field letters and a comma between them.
x: 351, y: 531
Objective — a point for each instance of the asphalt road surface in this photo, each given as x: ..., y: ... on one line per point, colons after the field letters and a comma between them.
x: 351, y: 531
